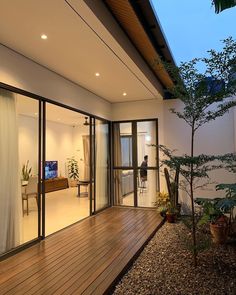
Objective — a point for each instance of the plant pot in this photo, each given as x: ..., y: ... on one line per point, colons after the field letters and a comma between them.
x: 171, y: 217
x: 73, y: 183
x: 219, y: 232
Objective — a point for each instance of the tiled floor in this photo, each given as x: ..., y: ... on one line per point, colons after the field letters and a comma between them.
x: 63, y: 208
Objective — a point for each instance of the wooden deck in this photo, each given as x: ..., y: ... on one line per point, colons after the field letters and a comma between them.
x: 84, y: 259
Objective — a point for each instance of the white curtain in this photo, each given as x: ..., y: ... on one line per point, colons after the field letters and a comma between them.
x: 10, y: 190
x: 141, y: 148
x: 101, y: 164
x: 86, y: 147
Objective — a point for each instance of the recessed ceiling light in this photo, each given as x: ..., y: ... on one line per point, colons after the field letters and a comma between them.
x: 36, y: 114
x: 97, y: 74
x: 44, y: 37
x: 124, y: 93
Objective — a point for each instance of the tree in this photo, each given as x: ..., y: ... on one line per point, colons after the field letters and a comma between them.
x: 221, y: 5
x: 206, y: 95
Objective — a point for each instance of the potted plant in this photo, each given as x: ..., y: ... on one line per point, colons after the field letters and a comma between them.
x: 161, y: 203
x: 228, y: 203
x: 73, y: 171
x: 26, y: 173
x: 215, y: 215
x: 171, y: 213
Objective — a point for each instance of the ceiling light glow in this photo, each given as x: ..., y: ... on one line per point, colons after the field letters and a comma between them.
x: 124, y: 93
x: 44, y: 37
x: 97, y: 74
x: 148, y: 138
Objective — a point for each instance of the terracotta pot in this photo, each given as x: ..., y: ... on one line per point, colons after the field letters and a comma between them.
x: 219, y: 232
x: 171, y: 217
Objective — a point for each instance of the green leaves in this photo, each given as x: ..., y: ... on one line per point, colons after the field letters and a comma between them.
x: 201, y: 89
x: 73, y: 169
x: 26, y: 171
x: 221, y: 5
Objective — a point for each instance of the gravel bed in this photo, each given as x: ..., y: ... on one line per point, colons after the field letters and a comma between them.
x: 165, y: 267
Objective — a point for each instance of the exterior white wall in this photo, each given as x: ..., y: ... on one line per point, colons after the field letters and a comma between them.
x: 18, y: 71
x: 217, y: 137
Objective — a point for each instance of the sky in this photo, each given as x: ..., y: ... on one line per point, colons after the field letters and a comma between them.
x: 192, y: 27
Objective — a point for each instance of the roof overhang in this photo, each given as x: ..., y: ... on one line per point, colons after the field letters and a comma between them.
x: 138, y: 20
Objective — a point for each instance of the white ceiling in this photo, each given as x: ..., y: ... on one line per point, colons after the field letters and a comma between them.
x: 30, y: 107
x: 77, y: 47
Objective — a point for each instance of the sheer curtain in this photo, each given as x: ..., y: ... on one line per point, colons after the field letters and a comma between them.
x: 10, y: 190
x: 86, y: 157
x: 117, y: 159
x: 101, y: 164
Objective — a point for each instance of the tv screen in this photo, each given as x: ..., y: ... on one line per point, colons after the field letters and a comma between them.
x: 50, y: 169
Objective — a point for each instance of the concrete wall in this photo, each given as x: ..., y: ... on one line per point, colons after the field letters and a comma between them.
x: 18, y: 71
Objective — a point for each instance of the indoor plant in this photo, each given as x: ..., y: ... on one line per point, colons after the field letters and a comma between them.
x: 26, y: 172
x: 73, y: 171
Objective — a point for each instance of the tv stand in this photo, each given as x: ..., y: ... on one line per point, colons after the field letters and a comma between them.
x: 55, y: 184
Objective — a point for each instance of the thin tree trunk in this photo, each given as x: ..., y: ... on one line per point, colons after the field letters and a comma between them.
x: 192, y: 202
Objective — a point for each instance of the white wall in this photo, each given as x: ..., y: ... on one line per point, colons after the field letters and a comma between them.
x: 217, y: 137
x: 62, y: 141
x: 16, y: 70
x: 78, y: 148
x: 59, y: 145
x: 28, y: 142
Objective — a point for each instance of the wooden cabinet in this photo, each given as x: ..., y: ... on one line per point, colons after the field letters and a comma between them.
x: 56, y: 184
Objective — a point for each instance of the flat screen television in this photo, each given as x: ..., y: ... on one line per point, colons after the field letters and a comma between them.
x: 51, y: 168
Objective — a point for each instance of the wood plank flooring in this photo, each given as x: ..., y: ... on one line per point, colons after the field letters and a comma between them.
x: 83, y: 259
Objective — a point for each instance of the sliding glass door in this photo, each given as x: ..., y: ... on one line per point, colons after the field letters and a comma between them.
x: 135, y: 163
x: 102, y: 164
x: 55, y: 167
x: 67, y: 167
x: 19, y: 170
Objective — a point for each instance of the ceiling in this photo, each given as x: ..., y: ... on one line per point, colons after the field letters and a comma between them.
x: 77, y: 47
x: 30, y: 107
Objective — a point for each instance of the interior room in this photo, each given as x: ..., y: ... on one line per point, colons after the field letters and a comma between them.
x: 67, y: 137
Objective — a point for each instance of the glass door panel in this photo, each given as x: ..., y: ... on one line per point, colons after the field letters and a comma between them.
x: 19, y: 154
x: 102, y: 164
x: 67, y: 168
x: 123, y: 187
x: 135, y: 161
x: 146, y: 136
x: 147, y: 188
x: 123, y: 148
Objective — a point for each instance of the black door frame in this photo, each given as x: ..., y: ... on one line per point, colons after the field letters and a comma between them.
x: 135, y: 167
x: 42, y: 157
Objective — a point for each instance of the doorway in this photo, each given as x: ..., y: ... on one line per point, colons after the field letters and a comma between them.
x: 135, y: 163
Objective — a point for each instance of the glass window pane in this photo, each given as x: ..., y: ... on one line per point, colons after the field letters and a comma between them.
x: 146, y: 132
x: 122, y: 144
x: 67, y: 166
x: 102, y: 164
x: 147, y: 188
x: 18, y: 170
x: 124, y: 187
